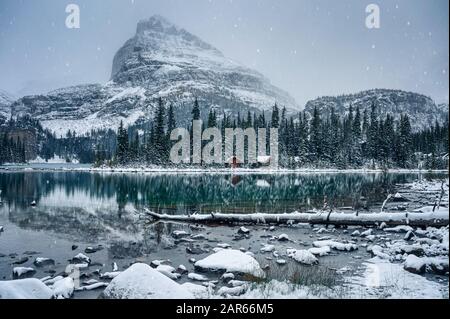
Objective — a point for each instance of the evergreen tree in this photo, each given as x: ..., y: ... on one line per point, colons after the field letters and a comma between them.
x: 275, y: 117
x: 196, y: 111
x: 404, y: 141
x: 122, y: 145
x: 212, y: 118
x: 171, y: 122
x: 356, y: 125
x: 372, y: 135
x: 160, y: 139
x: 315, y: 136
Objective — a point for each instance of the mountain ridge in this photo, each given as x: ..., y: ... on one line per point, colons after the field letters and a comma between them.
x: 421, y: 109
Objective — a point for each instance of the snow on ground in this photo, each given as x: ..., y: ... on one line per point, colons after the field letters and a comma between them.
x: 140, y: 281
x: 383, y: 279
x: 230, y: 260
x: 427, y: 185
x: 30, y: 288
x: 55, y: 160
x: 380, y: 280
x: 198, y: 291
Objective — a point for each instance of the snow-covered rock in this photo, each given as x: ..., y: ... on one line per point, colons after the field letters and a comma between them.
x: 302, y: 256
x: 51, y: 281
x: 42, y: 261
x: 197, y: 277
x: 198, y: 236
x: 180, y: 234
x: 233, y: 291
x: 356, y: 233
x: 168, y: 271
x: 157, y: 262
x: 182, y: 269
x: 140, y: 281
x: 92, y: 286
x: 419, y: 265
x: 230, y: 260
x: 19, y: 272
x: 243, y: 230
x: 63, y: 289
x: 223, y: 245
x: 281, y: 261
x: 409, y: 235
x: 367, y: 233
x: 415, y: 264
x: 236, y: 283
x: 267, y: 248
x: 81, y: 258
x: 227, y: 276
x: 399, y: 229
x: 30, y: 288
x: 377, y: 250
x: 335, y: 245
x: 320, y: 251
x: 110, y: 275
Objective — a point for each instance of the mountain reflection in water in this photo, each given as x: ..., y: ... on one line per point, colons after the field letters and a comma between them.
x: 100, y: 204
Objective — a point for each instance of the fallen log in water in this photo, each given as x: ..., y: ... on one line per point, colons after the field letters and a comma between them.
x: 436, y: 219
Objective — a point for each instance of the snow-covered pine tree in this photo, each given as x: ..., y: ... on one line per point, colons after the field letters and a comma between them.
x: 160, y: 142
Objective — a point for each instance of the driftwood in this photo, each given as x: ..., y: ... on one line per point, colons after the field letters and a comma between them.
x: 418, y: 219
x: 440, y: 197
x: 385, y: 202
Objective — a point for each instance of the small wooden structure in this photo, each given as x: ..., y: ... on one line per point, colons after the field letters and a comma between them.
x: 234, y: 162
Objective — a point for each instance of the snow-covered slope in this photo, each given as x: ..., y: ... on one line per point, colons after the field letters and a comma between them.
x: 422, y: 110
x: 6, y: 100
x: 161, y: 60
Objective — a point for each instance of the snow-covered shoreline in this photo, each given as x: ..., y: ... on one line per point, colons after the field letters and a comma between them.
x: 205, y: 171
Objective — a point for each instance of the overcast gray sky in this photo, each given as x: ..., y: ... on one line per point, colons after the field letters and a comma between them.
x: 309, y: 48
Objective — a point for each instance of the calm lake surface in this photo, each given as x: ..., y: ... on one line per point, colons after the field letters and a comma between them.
x: 92, y: 206
x: 189, y: 193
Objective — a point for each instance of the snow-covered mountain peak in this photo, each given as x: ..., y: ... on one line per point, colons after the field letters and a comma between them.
x: 158, y: 42
x: 160, y: 60
x: 156, y: 23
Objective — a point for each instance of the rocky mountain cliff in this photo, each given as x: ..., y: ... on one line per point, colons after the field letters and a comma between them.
x: 161, y: 60
x: 6, y: 100
x: 422, y: 110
